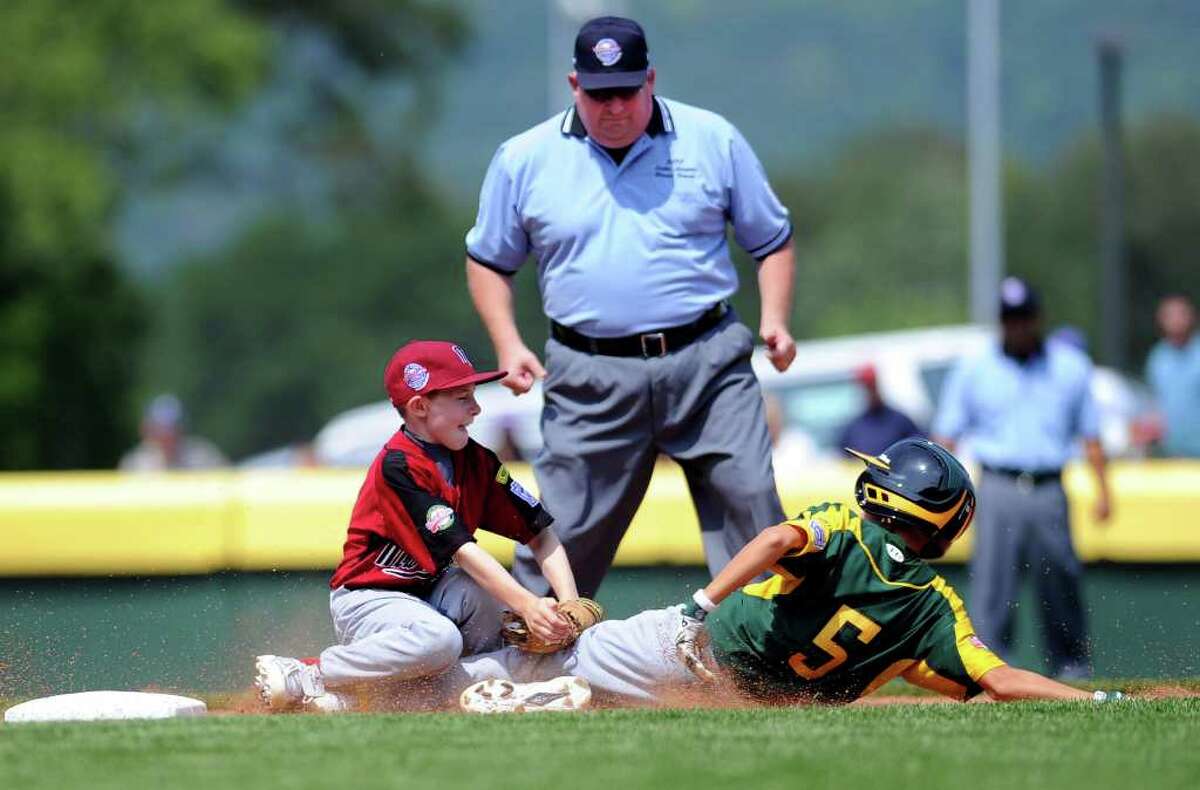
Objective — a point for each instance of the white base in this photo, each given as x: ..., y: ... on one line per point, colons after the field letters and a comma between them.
x: 103, y: 706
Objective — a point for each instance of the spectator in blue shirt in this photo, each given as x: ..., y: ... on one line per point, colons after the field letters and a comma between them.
x: 879, y: 426
x: 1173, y: 371
x: 1022, y: 406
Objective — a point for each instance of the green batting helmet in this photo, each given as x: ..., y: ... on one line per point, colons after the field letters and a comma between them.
x: 918, y: 484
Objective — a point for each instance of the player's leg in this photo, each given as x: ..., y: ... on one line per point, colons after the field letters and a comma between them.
x: 999, y: 530
x: 1058, y: 574
x: 631, y: 660
x: 710, y: 417
x: 596, y: 461
x: 387, y: 635
x: 471, y: 608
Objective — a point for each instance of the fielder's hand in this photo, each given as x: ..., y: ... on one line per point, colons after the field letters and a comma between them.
x: 690, y: 641
x: 574, y: 617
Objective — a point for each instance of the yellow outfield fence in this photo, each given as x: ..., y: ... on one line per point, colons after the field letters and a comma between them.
x: 105, y: 523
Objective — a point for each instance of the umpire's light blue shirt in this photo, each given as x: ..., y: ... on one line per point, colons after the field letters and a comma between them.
x: 632, y: 247
x: 1020, y: 415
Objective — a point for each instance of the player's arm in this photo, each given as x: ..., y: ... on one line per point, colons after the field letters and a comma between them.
x: 1007, y: 684
x: 540, y: 614
x: 556, y: 568
x: 757, y: 556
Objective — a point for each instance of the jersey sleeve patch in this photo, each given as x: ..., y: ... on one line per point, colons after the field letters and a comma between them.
x: 816, y: 532
x: 977, y: 658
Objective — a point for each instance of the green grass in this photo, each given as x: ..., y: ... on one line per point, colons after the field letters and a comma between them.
x: 1063, y: 746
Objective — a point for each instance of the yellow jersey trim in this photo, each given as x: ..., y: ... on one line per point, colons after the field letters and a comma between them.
x: 895, y: 670
x: 927, y: 677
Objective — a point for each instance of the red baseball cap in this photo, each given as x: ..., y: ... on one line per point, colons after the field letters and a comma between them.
x: 425, y: 366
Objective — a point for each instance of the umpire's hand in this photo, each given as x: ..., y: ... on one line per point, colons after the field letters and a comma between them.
x: 523, y: 368
x: 781, y: 348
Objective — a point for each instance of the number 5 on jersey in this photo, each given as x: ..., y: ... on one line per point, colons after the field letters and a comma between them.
x: 867, y: 629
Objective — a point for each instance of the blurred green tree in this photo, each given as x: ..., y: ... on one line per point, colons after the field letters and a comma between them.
x: 297, y: 321
x: 1053, y: 227
x: 880, y: 237
x: 71, y: 79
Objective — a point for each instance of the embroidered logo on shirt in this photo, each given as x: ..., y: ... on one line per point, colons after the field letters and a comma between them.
x: 416, y: 376
x: 607, y: 51
x: 977, y: 642
x: 520, y: 492
x: 462, y: 355
x: 502, y: 475
x: 819, y: 536
x: 895, y: 553
x: 399, y: 564
x: 439, y: 518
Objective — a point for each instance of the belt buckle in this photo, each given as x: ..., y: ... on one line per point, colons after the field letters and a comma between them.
x: 1025, y: 482
x: 654, y: 337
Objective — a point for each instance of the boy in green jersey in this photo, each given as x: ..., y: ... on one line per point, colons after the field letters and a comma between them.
x: 851, y: 604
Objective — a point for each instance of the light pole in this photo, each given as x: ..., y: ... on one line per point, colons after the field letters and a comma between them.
x: 984, y: 160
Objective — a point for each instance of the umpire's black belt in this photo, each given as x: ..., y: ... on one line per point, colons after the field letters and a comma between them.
x: 658, y: 343
x: 1026, y: 477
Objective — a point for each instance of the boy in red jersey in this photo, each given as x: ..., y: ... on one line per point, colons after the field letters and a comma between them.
x: 414, y: 591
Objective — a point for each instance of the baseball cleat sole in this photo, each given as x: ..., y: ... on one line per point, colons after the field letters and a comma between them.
x: 566, y: 693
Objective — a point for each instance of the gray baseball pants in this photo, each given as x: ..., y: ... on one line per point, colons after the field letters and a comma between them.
x: 1019, y: 528
x: 606, y: 420
x: 633, y: 659
x: 391, y: 635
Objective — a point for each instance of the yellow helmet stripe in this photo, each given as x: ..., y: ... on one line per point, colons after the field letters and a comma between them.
x: 894, y: 501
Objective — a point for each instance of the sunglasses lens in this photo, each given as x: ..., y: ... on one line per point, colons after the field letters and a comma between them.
x: 605, y: 94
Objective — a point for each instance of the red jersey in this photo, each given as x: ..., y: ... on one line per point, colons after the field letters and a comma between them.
x: 408, y: 521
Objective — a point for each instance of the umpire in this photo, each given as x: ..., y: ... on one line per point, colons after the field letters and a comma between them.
x: 623, y: 199
x: 1021, y: 406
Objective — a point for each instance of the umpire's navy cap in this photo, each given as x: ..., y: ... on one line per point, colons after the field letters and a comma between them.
x: 1017, y: 299
x: 611, y: 52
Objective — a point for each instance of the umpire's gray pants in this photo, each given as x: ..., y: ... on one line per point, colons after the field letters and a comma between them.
x: 1018, y: 528
x: 606, y: 420
x: 392, y: 635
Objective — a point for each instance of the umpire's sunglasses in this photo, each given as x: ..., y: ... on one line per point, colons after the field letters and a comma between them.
x: 605, y: 94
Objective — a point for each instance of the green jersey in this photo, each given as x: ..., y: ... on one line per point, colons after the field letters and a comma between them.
x: 847, y: 612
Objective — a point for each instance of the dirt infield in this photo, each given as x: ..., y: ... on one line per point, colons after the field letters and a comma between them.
x: 247, y: 702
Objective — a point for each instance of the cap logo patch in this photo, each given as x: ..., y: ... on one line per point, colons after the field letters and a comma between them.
x: 416, y: 376
x: 895, y: 553
x: 462, y: 355
x: 607, y: 51
x: 439, y: 518
x: 1012, y: 291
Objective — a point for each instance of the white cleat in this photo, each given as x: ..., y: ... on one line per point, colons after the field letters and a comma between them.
x: 285, y: 683
x: 504, y: 696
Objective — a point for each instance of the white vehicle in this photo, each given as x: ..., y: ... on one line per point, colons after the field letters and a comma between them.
x: 816, y: 397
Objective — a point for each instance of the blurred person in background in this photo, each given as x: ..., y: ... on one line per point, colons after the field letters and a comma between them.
x: 1173, y: 372
x: 165, y: 443
x: 879, y: 425
x: 1022, y: 405
x: 624, y: 199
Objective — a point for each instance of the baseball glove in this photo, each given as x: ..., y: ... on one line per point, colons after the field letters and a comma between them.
x: 582, y: 612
